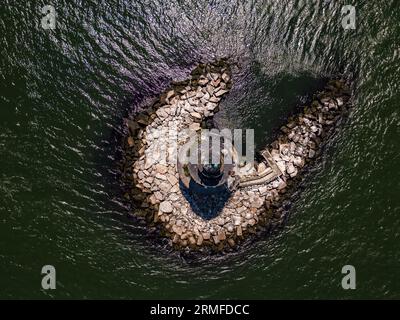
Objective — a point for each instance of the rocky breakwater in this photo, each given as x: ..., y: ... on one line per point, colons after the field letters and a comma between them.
x: 155, y: 189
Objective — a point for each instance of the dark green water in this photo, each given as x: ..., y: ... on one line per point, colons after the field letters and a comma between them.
x: 64, y: 93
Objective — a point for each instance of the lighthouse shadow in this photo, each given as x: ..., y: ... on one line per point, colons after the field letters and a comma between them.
x: 204, y: 202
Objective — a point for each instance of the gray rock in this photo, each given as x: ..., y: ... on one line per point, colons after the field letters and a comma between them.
x: 312, y: 144
x: 142, y: 119
x: 132, y: 125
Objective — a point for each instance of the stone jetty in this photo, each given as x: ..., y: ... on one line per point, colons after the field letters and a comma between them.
x: 155, y: 188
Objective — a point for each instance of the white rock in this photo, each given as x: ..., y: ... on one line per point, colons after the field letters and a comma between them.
x: 241, y: 209
x: 193, y: 102
x: 299, y: 162
x: 161, y: 113
x: 195, y: 115
x: 220, y: 92
x: 282, y: 185
x: 290, y: 168
x: 160, y: 176
x: 263, y: 190
x: 299, y: 151
x: 149, y: 179
x: 214, y: 76
x: 203, y: 82
x: 160, y: 168
x: 281, y: 165
x: 173, y: 197
x: 256, y: 203
x: 211, y: 106
x: 210, y: 90
x: 214, y: 99
x: 225, y: 77
x: 294, y: 173
x: 261, y: 167
x: 159, y: 196
x: 172, y: 179
x: 199, y: 109
x: 165, y: 187
x: 194, y: 126
x: 166, y: 207
x: 175, y: 188
x: 237, y: 221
